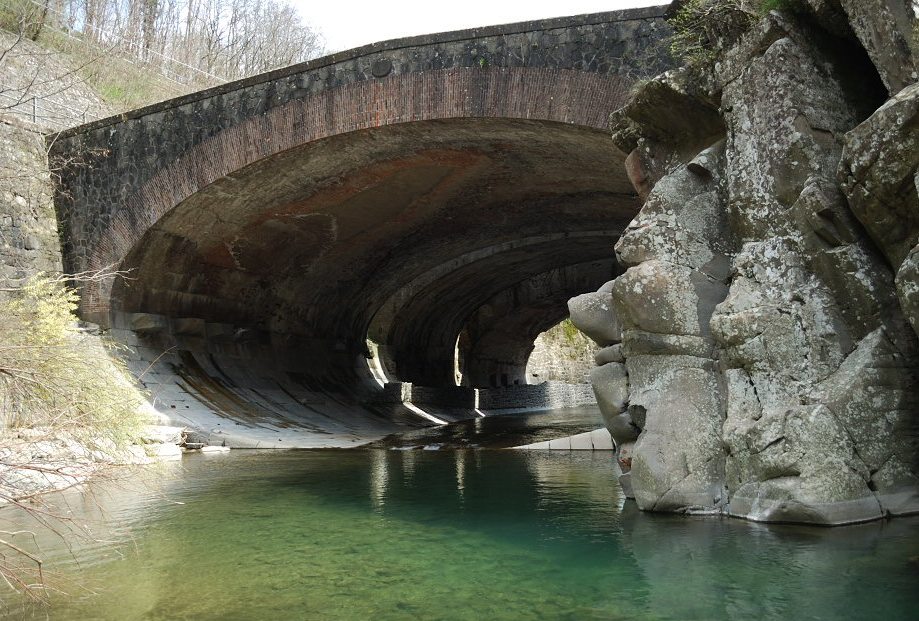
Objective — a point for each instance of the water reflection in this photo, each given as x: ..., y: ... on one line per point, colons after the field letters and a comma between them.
x: 379, y: 477
x: 730, y: 569
x: 460, y: 458
x: 408, y: 466
x: 500, y: 431
x: 456, y: 535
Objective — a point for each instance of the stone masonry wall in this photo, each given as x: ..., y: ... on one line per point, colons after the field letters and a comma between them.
x: 29, y: 240
x: 547, y: 395
x: 561, y: 354
x: 28, y: 229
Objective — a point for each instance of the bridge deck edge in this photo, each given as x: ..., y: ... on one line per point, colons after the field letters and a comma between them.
x: 588, y: 19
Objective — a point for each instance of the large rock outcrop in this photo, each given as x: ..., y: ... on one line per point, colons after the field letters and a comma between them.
x: 767, y: 368
x: 879, y: 175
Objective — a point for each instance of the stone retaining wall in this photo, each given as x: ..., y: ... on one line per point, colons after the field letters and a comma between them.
x: 547, y: 395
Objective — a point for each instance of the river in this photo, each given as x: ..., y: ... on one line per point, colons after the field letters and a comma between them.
x: 442, y: 534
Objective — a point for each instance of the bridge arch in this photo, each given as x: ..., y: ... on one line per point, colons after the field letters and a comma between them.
x: 575, y: 98
x: 272, y: 226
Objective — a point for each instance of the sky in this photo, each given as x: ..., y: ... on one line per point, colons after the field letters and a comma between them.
x: 348, y: 23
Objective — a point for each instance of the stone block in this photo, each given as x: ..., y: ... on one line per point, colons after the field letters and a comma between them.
x: 611, y: 387
x: 907, y: 283
x: 613, y: 353
x: 560, y: 444
x: 884, y: 27
x: 601, y: 440
x: 189, y: 326
x: 581, y: 442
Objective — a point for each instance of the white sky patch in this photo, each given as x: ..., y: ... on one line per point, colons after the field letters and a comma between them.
x: 346, y: 25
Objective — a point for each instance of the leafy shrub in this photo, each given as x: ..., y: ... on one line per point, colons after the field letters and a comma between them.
x: 777, y: 5
x: 55, y: 376
x: 572, y: 334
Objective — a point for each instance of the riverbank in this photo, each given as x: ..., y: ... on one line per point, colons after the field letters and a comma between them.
x: 39, y: 460
x: 46, y: 443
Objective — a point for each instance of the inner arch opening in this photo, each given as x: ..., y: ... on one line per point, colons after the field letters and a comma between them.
x: 288, y: 291
x: 562, y: 353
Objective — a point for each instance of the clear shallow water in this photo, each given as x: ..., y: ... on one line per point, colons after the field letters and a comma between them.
x: 453, y: 535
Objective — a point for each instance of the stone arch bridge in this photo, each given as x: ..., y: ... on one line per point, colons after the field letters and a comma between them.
x: 299, y: 238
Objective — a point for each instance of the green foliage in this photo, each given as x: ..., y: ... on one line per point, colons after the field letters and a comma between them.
x: 637, y: 86
x: 561, y: 353
x: 122, y: 84
x: 572, y: 334
x: 127, y: 89
x: 690, y: 41
x: 112, y: 93
x: 54, y: 376
x: 787, y: 6
x: 703, y: 27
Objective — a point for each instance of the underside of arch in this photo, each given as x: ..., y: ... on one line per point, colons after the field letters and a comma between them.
x: 265, y: 285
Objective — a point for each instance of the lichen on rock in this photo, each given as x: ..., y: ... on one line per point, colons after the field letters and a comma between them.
x: 767, y: 365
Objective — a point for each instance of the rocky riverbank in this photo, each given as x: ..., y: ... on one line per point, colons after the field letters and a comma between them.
x: 761, y: 357
x: 43, y: 91
x: 37, y: 460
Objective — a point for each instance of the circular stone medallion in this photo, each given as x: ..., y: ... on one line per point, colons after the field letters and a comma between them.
x: 381, y: 67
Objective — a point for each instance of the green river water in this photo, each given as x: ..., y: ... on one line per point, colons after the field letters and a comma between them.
x: 450, y: 534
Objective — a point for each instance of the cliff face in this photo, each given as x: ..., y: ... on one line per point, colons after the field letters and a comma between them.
x: 767, y: 364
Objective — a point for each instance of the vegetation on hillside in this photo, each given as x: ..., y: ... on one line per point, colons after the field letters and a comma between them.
x: 561, y: 353
x: 223, y: 39
x: 53, y: 376
x: 64, y: 405
x: 135, y: 52
x: 701, y: 27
